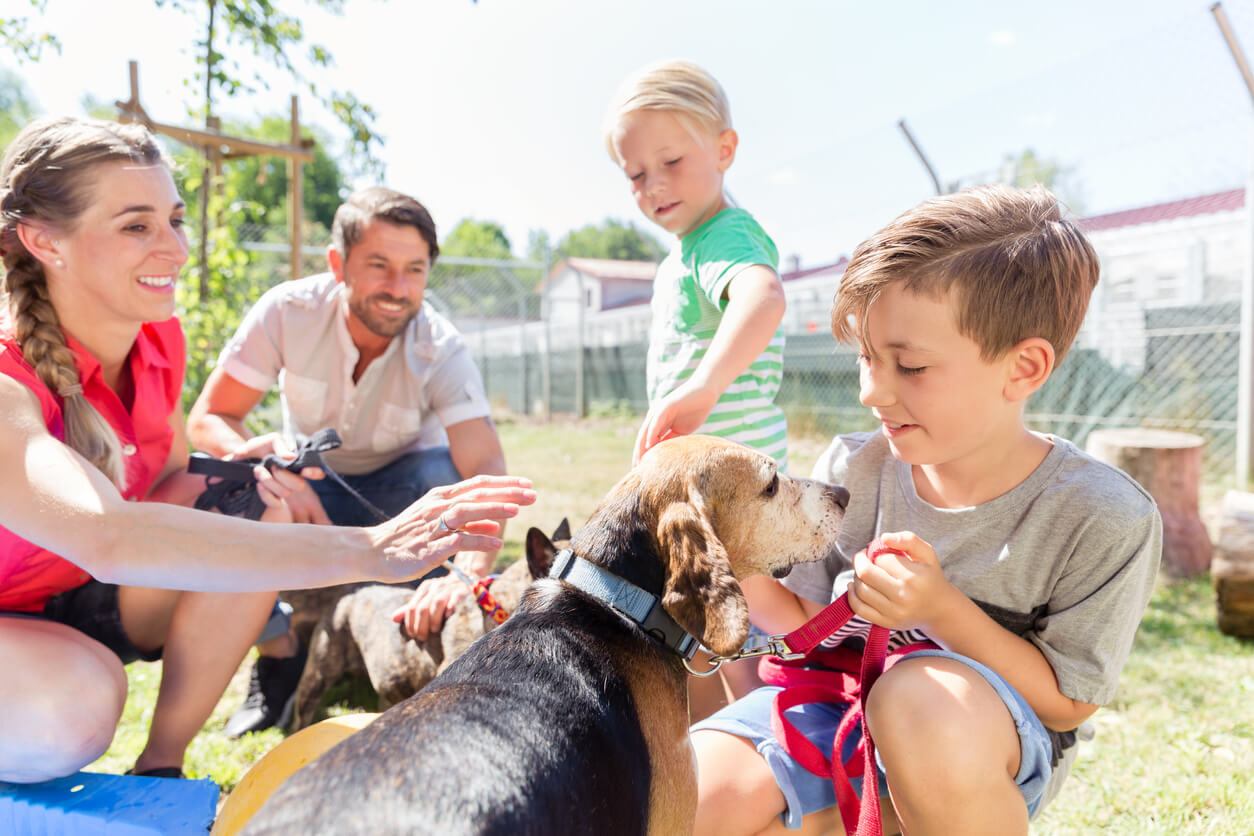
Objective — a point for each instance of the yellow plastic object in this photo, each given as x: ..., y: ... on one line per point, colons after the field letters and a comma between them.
x: 277, y: 766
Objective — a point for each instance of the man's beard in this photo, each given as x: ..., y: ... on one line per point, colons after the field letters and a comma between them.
x: 382, y: 325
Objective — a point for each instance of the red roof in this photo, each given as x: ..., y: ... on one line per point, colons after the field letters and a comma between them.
x: 611, y: 268
x: 1186, y: 208
x: 837, y: 266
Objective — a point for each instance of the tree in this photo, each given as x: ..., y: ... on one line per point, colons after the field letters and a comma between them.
x: 477, y: 239
x: 1027, y: 169
x: 22, y: 41
x: 16, y: 107
x: 611, y: 239
x: 267, y: 33
x: 259, y: 184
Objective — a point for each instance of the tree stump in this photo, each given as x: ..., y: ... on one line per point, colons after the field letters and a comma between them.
x: 1169, y: 466
x: 1233, y: 569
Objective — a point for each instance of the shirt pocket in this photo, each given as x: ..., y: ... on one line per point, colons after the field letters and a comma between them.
x: 306, y: 400
x: 396, y: 428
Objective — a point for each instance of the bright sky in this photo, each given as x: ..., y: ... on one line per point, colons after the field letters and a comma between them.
x: 492, y: 110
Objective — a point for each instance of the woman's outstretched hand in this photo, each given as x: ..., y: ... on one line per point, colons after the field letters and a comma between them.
x: 463, y: 517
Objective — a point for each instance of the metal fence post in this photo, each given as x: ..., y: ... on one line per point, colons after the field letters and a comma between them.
x: 580, y: 411
x: 1245, y: 360
x: 525, y: 400
x: 546, y: 314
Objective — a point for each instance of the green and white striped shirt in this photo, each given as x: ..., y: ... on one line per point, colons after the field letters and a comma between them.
x: 687, y: 309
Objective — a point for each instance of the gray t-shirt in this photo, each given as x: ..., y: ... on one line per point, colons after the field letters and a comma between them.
x: 297, y: 335
x: 1067, y: 559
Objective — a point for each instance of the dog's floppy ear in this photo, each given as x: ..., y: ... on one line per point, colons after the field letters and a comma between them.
x: 540, y: 553
x: 701, y: 593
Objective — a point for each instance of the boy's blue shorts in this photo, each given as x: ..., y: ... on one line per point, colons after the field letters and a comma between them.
x: 805, y: 792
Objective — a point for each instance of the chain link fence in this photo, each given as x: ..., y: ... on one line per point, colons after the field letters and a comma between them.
x: 1169, y: 367
x: 1136, y: 363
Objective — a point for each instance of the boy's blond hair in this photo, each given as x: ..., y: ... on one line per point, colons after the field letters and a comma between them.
x: 1013, y: 265
x: 679, y: 87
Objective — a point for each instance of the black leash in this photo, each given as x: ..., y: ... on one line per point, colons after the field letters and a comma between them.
x: 231, y: 486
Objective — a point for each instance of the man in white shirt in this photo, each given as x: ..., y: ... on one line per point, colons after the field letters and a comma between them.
x: 357, y: 350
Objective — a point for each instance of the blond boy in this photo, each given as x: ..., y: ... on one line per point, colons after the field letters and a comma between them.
x: 1029, y: 562
x: 715, y: 347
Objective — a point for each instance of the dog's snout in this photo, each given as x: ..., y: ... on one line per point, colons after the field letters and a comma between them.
x: 838, y: 495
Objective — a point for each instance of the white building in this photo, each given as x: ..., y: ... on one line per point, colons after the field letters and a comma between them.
x: 1178, y: 253
x: 613, y: 299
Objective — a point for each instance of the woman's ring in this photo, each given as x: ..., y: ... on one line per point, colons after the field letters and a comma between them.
x: 445, y: 526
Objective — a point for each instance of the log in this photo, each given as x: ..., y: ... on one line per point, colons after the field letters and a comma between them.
x: 1233, y: 569
x: 1169, y: 466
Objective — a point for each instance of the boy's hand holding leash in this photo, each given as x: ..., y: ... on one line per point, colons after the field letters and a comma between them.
x: 898, y: 583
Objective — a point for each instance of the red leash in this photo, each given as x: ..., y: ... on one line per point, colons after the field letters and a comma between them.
x: 486, y: 602
x: 806, y: 685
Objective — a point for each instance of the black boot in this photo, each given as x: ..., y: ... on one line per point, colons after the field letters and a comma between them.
x: 271, y: 687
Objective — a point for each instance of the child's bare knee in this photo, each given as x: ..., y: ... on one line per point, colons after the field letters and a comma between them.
x: 736, y: 790
x: 930, y: 691
x: 924, y: 713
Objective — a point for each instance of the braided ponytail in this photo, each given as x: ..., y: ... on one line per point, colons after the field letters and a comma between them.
x: 45, y: 178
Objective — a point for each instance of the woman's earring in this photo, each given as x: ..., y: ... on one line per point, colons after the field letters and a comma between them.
x: 60, y: 263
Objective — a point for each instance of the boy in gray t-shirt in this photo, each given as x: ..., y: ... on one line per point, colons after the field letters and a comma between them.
x: 1027, y: 562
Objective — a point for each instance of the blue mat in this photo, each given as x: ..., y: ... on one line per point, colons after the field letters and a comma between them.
x: 89, y: 803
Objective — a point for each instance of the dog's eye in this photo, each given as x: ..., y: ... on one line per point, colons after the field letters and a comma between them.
x: 772, y: 488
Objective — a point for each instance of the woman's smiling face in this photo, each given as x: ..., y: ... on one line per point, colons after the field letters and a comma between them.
x: 123, y: 257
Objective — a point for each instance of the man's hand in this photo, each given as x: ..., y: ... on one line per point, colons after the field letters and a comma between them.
x: 291, y: 489
x: 432, y: 602
x: 902, y: 587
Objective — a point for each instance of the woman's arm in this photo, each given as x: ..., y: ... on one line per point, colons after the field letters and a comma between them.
x: 175, y: 485
x: 53, y: 497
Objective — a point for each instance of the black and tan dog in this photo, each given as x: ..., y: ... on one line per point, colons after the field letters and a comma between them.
x: 570, y: 718
x: 356, y: 636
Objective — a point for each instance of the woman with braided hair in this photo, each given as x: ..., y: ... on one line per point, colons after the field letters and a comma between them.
x: 101, y: 562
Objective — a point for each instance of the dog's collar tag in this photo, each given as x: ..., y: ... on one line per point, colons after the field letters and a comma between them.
x: 640, y: 606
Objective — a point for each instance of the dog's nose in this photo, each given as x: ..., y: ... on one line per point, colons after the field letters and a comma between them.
x: 839, y: 495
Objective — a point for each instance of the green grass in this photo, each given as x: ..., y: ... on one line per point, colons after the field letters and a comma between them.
x: 1172, y: 753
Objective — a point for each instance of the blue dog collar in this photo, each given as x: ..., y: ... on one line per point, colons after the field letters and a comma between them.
x: 640, y: 606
